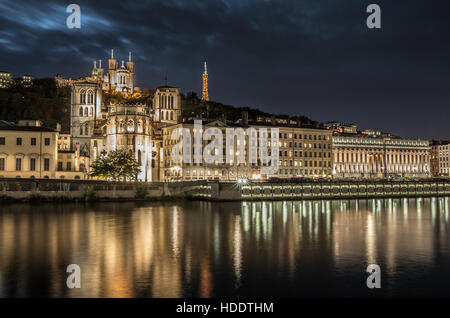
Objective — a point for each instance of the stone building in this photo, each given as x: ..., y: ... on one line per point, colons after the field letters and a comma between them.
x: 27, y: 150
x: 302, y: 152
x: 360, y: 156
x: 440, y: 154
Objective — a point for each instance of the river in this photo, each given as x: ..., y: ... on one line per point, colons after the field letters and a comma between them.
x: 208, y: 249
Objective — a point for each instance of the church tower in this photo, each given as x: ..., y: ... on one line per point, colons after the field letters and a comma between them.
x: 205, y: 95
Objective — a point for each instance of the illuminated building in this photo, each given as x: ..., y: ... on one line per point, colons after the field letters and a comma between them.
x: 100, y: 125
x: 205, y: 94
x: 341, y: 128
x: 360, y: 156
x: 27, y: 80
x: 303, y: 152
x: 167, y: 105
x: 27, y: 150
x: 5, y: 79
x: 440, y: 154
x: 129, y: 127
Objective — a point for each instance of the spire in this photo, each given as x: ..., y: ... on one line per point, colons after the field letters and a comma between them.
x: 123, y: 64
x: 112, y: 54
x: 95, y: 64
x: 100, y: 63
x: 129, y: 56
x: 205, y: 94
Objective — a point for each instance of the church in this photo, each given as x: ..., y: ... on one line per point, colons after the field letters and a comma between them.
x: 98, y: 126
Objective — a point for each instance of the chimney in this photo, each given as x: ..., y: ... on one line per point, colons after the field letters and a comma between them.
x: 58, y: 127
x: 245, y: 118
x: 299, y: 123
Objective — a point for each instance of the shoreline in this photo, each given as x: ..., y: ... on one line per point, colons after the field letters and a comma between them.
x: 51, y: 190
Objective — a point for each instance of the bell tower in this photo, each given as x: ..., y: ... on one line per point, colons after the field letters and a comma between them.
x: 112, y: 62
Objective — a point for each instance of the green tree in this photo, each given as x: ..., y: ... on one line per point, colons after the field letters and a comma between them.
x: 117, y: 165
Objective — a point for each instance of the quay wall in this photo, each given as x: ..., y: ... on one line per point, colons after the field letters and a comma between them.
x: 52, y: 189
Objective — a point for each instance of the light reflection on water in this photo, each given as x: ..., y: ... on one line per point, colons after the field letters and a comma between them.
x: 204, y: 249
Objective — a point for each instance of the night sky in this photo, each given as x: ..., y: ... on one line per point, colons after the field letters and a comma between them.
x: 310, y: 57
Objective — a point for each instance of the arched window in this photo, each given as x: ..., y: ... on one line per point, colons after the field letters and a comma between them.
x: 140, y: 126
x: 86, y: 112
x: 81, y: 111
x: 171, y: 115
x: 171, y: 101
x: 86, y: 130
x: 81, y: 130
x: 139, y: 157
x: 83, y: 97
x: 121, y: 126
x: 91, y: 111
x: 130, y: 126
x: 90, y: 97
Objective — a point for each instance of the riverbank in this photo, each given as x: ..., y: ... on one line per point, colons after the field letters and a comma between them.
x: 83, y: 190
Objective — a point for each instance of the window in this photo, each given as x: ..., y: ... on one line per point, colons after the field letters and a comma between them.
x: 18, y: 164
x: 90, y: 97
x: 2, y: 140
x: 33, y: 141
x: 60, y: 166
x: 32, y: 164
x: 19, y: 141
x: 2, y: 164
x: 83, y: 97
x: 46, y: 164
x: 69, y: 166
x: 47, y: 141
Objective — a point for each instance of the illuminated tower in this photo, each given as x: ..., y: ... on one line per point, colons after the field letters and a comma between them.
x: 205, y: 95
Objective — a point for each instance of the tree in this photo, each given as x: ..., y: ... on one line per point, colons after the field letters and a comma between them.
x: 118, y: 164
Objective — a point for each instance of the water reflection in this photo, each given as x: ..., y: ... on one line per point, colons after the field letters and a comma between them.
x: 204, y: 249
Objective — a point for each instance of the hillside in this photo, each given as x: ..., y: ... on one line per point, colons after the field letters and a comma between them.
x: 44, y: 101
x: 51, y: 104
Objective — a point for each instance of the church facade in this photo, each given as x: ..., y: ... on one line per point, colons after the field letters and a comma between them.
x: 99, y: 126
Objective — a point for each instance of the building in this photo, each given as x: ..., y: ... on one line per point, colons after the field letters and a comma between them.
x: 360, y: 156
x: 64, y: 141
x: 205, y: 93
x: 102, y: 119
x: 5, y: 79
x: 167, y: 105
x: 27, y: 80
x: 440, y: 153
x: 118, y: 78
x: 128, y: 127
x: 338, y: 127
x: 303, y: 152
x: 27, y: 151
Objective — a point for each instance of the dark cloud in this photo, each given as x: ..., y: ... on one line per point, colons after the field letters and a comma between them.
x: 312, y: 57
